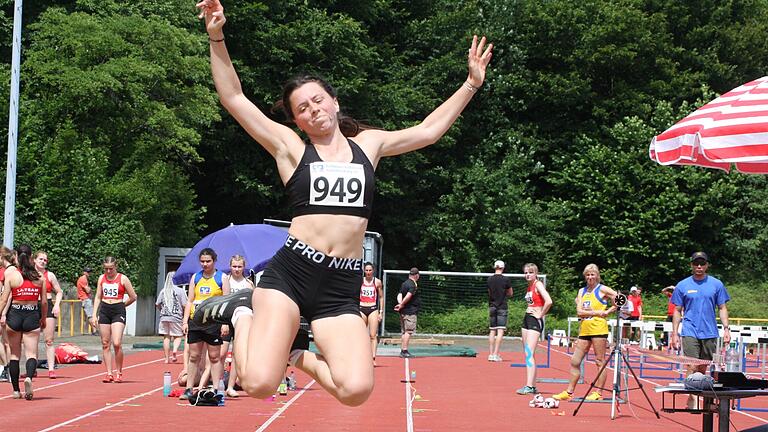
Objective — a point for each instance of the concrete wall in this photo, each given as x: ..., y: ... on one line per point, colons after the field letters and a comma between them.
x: 140, y: 317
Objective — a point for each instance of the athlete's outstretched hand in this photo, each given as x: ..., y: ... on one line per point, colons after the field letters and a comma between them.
x: 213, y: 12
x: 478, y: 59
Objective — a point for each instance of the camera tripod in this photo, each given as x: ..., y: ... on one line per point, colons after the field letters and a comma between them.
x: 618, y: 356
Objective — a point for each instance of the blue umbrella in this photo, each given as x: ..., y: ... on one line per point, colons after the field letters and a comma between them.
x: 258, y: 243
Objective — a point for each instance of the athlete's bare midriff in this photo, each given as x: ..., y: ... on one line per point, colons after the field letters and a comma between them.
x: 335, y: 235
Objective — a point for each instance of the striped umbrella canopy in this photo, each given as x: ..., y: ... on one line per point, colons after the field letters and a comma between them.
x: 732, y: 130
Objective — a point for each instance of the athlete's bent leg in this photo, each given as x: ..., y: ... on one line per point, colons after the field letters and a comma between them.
x: 263, y: 341
x: 345, y: 369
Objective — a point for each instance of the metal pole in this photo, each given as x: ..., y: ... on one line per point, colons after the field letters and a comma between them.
x: 13, y: 128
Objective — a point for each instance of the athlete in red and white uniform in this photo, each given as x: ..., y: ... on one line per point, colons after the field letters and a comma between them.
x: 23, y: 309
x: 109, y: 314
x: 54, y: 307
x: 371, y: 305
x: 539, y: 302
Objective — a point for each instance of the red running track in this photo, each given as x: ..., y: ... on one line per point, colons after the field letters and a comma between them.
x: 454, y: 394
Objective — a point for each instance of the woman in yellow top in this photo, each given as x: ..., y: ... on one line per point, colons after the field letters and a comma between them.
x: 592, y: 308
x: 203, y: 285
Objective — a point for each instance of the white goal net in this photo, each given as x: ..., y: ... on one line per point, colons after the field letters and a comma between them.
x: 452, y: 303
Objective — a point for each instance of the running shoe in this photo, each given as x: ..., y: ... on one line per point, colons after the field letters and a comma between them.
x: 594, y: 396
x: 563, y: 396
x: 186, y: 395
x: 526, y: 390
x: 119, y: 377
x: 405, y: 354
x: 497, y: 358
x: 108, y: 378
x: 219, y: 309
x: 51, y: 374
x: 28, y: 392
x: 17, y: 395
x: 491, y: 357
x: 231, y: 393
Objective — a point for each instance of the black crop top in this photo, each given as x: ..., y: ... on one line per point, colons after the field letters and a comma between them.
x: 319, y: 187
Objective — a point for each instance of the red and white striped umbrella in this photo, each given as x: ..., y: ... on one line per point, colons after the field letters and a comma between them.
x: 730, y: 130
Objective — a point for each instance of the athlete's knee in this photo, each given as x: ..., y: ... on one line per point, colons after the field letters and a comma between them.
x: 105, y: 344
x: 256, y: 386
x: 356, y: 393
x: 49, y: 342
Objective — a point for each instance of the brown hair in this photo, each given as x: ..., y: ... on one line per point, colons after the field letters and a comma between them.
x: 349, y: 126
x: 8, y: 255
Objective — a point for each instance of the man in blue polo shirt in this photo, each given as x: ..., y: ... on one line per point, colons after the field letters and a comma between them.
x: 698, y: 296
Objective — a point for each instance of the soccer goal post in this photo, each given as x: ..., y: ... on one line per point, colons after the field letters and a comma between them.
x: 452, y: 303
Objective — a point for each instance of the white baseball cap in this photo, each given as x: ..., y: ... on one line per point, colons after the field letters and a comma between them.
x: 498, y: 264
x: 634, y: 288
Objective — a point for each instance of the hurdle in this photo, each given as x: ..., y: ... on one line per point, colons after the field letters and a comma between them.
x: 539, y: 366
x: 564, y: 380
x: 762, y: 343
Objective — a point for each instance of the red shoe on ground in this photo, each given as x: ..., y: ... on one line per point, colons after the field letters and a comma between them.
x: 119, y: 377
x: 51, y: 374
x: 108, y: 379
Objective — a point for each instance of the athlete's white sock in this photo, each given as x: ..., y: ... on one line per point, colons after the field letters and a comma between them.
x: 294, y: 356
x: 240, y: 311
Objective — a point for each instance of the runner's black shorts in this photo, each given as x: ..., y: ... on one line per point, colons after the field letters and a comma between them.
x: 23, y: 317
x: 110, y: 313
x: 530, y: 322
x: 49, y: 313
x: 367, y: 310
x: 208, y: 333
x: 322, y: 286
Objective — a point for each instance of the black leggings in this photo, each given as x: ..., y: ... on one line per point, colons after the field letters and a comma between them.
x: 14, y: 372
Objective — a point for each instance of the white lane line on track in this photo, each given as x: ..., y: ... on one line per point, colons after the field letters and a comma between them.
x: 284, y: 407
x: 657, y: 384
x: 408, y: 400
x: 78, y: 418
x: 37, y: 389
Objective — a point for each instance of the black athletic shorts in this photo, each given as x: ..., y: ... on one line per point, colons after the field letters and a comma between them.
x: 110, y: 313
x: 208, y: 333
x: 23, y: 317
x: 530, y: 322
x: 321, y: 285
x: 367, y: 310
x: 49, y: 313
x: 590, y: 337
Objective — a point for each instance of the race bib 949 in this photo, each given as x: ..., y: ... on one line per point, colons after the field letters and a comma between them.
x: 336, y: 184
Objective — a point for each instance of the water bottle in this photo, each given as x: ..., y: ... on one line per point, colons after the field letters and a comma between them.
x: 221, y: 391
x: 732, y: 360
x: 413, y: 376
x: 292, y: 381
x: 166, y: 384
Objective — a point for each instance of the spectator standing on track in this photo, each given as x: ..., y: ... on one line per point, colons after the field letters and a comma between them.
x: 7, y: 262
x: 699, y: 295
x: 171, y: 302
x: 539, y: 302
x: 499, y: 289
x: 54, y: 295
x: 637, y: 311
x: 84, y: 295
x: 408, y: 305
x: 592, y: 307
x: 371, y: 305
x: 667, y: 291
x: 237, y: 282
x: 205, y: 284
x: 109, y: 314
x: 23, y: 308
